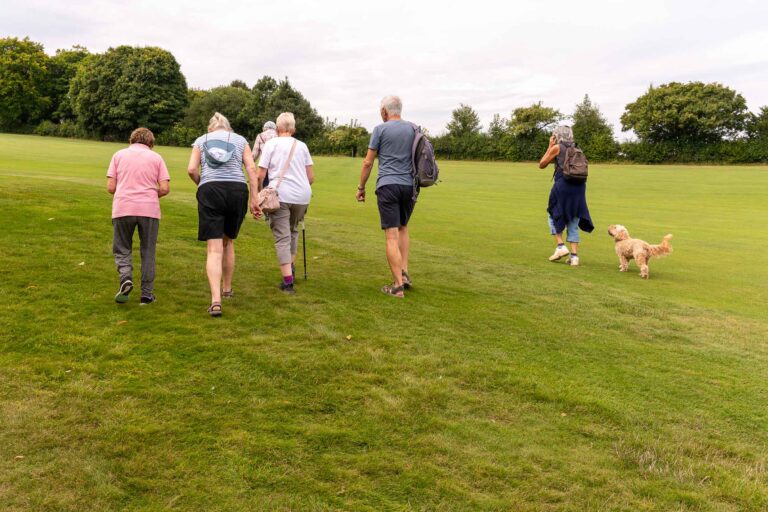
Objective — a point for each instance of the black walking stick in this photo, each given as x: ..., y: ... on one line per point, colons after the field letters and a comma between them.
x: 304, y: 247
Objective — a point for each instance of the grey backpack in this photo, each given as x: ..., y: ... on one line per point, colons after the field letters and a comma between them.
x: 425, y: 170
x: 575, y: 165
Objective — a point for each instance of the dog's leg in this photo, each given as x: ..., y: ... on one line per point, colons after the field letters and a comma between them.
x: 642, y: 262
x: 623, y: 263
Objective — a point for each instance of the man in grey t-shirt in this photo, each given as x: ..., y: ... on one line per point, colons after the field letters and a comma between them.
x: 392, y: 142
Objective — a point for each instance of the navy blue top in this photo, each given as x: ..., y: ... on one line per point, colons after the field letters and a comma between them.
x: 568, y: 200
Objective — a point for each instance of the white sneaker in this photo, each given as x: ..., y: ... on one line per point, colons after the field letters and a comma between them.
x: 573, y: 261
x: 559, y: 253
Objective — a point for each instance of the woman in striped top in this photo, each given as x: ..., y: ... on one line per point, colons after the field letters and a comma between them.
x: 216, y: 166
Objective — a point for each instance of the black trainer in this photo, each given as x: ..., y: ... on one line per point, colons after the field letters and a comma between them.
x: 287, y: 288
x: 147, y: 299
x: 125, y: 289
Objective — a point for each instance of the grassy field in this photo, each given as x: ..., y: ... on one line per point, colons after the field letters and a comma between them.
x: 501, y: 382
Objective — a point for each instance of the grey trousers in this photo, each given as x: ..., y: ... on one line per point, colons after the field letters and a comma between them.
x: 284, y: 223
x: 122, y: 248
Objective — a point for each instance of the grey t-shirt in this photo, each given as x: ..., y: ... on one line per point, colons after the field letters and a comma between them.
x: 393, y: 141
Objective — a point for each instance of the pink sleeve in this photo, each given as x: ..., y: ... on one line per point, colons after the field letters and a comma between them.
x: 162, y: 171
x: 112, y: 171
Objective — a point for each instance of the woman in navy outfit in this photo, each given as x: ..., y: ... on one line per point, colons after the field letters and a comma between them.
x: 567, y: 200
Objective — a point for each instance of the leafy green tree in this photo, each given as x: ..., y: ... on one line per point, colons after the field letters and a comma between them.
x: 464, y: 121
x: 528, y: 128
x: 530, y: 121
x: 271, y: 98
x: 264, y: 88
x: 498, y: 127
x: 693, y: 113
x: 62, y: 67
x: 757, y: 125
x: 125, y: 87
x: 23, y: 78
x: 239, y: 84
x: 227, y: 100
x: 592, y: 132
x: 256, y: 108
x: 348, y: 139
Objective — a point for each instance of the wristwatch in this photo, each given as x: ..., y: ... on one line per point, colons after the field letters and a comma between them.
x: 361, y: 189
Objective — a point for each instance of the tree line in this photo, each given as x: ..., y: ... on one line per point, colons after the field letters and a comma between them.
x: 76, y: 93
x: 675, y: 122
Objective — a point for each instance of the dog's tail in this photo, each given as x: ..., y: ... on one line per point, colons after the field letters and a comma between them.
x: 663, y: 248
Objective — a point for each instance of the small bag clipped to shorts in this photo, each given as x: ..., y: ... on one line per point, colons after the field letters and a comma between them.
x: 269, y: 201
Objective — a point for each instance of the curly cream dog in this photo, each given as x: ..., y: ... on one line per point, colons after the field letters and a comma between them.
x: 628, y: 248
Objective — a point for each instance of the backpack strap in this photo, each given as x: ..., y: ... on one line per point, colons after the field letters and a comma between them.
x: 286, y: 165
x: 414, y: 173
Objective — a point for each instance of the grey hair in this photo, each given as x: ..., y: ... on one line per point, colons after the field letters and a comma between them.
x: 269, y: 125
x: 219, y: 122
x: 563, y: 133
x: 286, y: 122
x: 392, y: 104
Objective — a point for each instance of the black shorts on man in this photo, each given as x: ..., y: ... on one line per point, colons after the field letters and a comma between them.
x: 221, y: 208
x: 395, y: 205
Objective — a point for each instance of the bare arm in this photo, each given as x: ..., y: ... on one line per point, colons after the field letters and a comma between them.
x: 111, y: 185
x: 310, y: 174
x: 552, y: 151
x: 253, y: 180
x: 163, y: 188
x: 250, y: 167
x: 193, y: 168
x: 262, y: 175
x: 365, y: 173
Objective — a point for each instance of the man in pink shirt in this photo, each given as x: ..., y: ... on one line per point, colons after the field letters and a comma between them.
x: 138, y: 178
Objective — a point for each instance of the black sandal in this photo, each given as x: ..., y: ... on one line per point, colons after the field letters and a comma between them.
x: 395, y: 291
x: 215, y: 309
x: 228, y: 295
x: 407, y: 283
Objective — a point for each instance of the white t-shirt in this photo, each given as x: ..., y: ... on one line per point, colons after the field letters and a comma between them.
x: 294, y: 188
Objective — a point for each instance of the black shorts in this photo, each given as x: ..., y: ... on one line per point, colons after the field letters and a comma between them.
x: 395, y: 205
x: 221, y: 208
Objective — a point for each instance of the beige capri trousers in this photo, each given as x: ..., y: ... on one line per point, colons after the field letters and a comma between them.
x: 284, y: 224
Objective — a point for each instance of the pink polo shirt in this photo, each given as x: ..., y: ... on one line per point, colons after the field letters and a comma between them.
x: 137, y: 170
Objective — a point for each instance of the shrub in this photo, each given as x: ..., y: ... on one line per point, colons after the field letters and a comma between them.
x: 178, y: 135
x: 68, y: 129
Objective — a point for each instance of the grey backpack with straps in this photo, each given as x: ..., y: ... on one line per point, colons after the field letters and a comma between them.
x: 425, y: 170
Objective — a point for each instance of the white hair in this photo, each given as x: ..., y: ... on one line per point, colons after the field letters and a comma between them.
x: 219, y: 122
x: 392, y: 104
x: 269, y: 125
x: 563, y: 133
x: 286, y: 122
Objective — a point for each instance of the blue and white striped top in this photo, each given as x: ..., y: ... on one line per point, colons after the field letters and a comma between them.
x: 230, y: 171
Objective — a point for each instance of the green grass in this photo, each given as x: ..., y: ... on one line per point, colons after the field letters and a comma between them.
x: 502, y: 382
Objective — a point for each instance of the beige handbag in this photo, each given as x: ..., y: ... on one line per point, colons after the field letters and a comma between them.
x: 269, y: 201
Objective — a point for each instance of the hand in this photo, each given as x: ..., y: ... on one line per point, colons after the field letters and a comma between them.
x: 360, y: 196
x: 255, y: 210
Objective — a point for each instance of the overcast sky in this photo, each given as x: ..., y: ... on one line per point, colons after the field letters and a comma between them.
x: 495, y: 56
